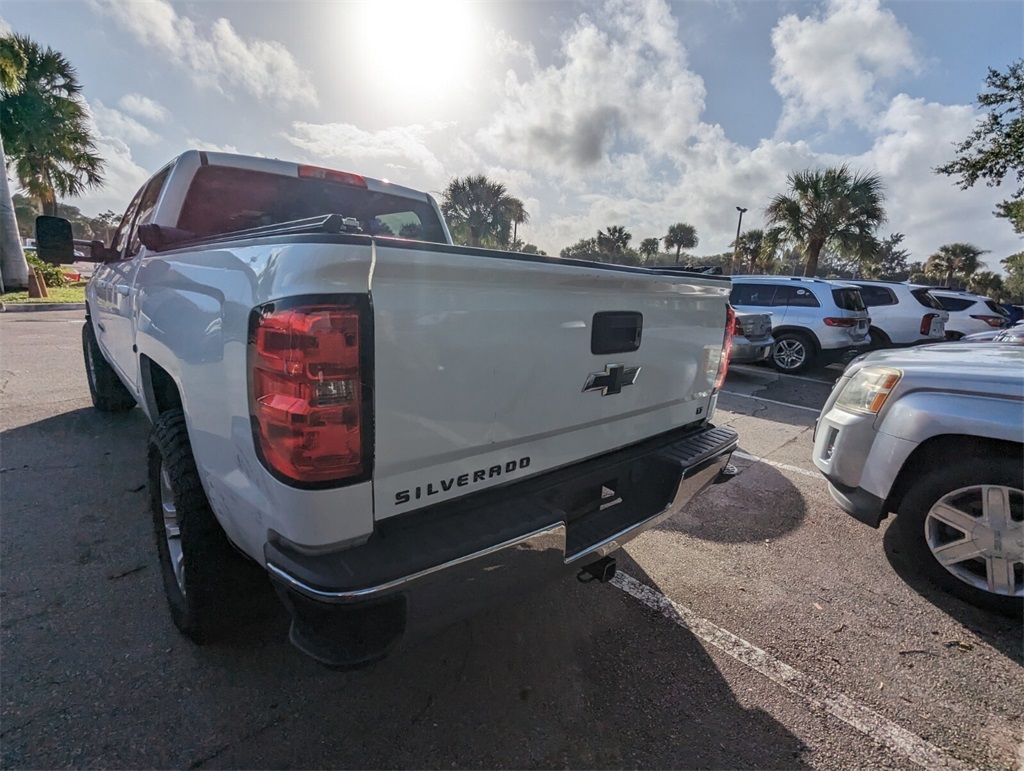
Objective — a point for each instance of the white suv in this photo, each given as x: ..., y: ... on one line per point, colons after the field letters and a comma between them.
x: 969, y: 313
x: 813, y: 321
x: 902, y: 314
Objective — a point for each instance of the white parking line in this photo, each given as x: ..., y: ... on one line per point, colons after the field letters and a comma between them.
x: 760, y: 371
x: 771, y: 401
x: 819, y: 696
x: 781, y: 466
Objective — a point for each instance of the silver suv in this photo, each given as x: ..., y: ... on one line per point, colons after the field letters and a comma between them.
x: 902, y: 314
x: 969, y: 313
x: 934, y: 434
x: 814, y: 321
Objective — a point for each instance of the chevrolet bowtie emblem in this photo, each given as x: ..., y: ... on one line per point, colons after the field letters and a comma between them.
x: 611, y: 381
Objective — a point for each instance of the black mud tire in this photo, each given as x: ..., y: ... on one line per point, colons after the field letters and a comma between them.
x: 909, y: 526
x: 218, y: 583
x: 105, y: 387
x: 792, y: 352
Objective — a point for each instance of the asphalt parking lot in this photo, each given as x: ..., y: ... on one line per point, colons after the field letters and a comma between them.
x: 759, y: 628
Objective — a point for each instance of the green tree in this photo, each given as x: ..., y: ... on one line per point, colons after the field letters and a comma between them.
x: 517, y: 215
x: 681, y: 236
x: 1014, y: 212
x: 833, y: 208
x: 888, y: 260
x: 987, y: 283
x: 747, y: 250
x: 954, y: 261
x: 1014, y: 282
x: 614, y: 241
x: 45, y: 126
x: 584, y: 249
x: 13, y: 267
x: 648, y: 249
x: 995, y: 148
x: 480, y: 212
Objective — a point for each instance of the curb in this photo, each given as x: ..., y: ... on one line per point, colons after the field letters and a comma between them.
x: 27, y: 307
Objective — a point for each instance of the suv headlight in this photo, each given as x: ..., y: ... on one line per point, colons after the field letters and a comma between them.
x: 868, y: 389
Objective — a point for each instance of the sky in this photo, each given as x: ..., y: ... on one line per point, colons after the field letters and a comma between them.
x: 639, y: 113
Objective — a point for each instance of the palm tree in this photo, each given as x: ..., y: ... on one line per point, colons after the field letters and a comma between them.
x: 681, y: 236
x: 747, y: 249
x: 13, y: 267
x: 648, y: 248
x: 480, y: 211
x: 517, y: 215
x: 832, y: 207
x: 954, y: 261
x: 987, y: 283
x: 46, y: 128
x: 615, y: 240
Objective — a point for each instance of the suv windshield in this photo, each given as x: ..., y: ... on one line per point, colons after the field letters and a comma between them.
x: 848, y: 299
x: 224, y: 200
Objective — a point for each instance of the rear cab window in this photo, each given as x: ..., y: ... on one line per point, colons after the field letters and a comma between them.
x: 223, y: 200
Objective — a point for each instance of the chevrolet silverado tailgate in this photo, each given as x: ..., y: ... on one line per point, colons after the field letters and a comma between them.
x: 490, y: 366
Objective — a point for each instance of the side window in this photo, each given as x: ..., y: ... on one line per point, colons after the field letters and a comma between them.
x: 796, y: 296
x: 146, y: 206
x: 752, y: 294
x: 120, y: 240
x: 876, y: 295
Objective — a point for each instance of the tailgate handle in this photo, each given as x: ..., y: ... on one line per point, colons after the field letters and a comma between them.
x: 616, y: 332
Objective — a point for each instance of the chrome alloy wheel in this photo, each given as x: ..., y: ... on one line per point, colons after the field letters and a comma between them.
x: 790, y: 353
x: 977, y: 534
x: 172, y: 528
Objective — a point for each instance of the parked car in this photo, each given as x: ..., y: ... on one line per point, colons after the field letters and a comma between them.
x: 902, y: 314
x: 752, y: 338
x: 934, y: 435
x: 1014, y: 334
x: 814, y: 321
x: 969, y: 313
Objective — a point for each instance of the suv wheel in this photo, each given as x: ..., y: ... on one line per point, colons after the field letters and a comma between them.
x: 964, y: 529
x: 205, y: 579
x: 793, y: 352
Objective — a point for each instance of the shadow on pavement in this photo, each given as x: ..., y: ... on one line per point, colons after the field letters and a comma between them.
x: 724, y: 513
x: 96, y: 675
x: 1002, y: 632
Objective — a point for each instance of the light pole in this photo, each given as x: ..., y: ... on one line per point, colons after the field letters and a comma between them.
x: 736, y: 243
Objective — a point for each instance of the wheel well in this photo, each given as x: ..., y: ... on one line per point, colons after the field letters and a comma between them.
x: 881, y: 333
x: 933, y: 451
x: 159, y: 388
x: 802, y: 331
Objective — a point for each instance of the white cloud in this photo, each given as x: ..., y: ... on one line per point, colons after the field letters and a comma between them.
x: 122, y: 176
x: 398, y: 148
x: 215, y: 56
x: 115, y: 124
x: 834, y: 65
x: 623, y: 80
x: 143, y: 107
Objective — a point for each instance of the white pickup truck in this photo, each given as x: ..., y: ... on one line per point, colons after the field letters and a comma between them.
x: 395, y: 428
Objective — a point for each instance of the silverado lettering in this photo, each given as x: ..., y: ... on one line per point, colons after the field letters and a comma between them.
x: 406, y: 496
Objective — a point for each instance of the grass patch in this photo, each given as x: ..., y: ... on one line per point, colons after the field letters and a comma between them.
x: 64, y: 294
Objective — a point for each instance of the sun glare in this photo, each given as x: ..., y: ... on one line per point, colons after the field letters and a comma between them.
x: 415, y: 50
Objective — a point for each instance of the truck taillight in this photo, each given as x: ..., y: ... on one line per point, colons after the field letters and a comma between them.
x: 926, y: 323
x: 308, y: 390
x: 723, y: 364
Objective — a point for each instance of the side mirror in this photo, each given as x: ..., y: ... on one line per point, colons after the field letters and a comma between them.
x: 98, y: 252
x: 54, y: 241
